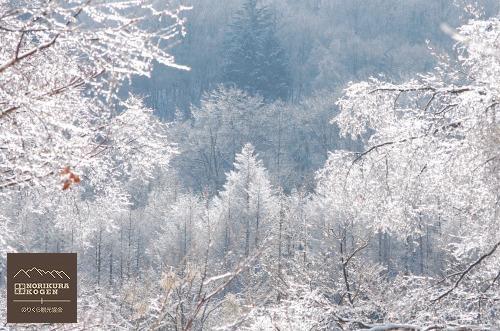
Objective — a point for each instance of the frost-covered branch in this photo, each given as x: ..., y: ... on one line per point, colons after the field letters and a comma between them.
x: 61, y: 66
x: 467, y: 270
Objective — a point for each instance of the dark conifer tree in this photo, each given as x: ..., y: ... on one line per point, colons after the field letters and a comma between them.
x: 255, y: 60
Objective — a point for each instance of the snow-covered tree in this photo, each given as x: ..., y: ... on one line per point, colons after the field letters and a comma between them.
x: 62, y: 121
x: 225, y: 120
x: 69, y: 139
x: 430, y: 159
x: 246, y: 206
x: 61, y: 65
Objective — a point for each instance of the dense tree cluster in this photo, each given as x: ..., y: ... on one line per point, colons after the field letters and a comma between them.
x: 375, y: 206
x: 326, y: 43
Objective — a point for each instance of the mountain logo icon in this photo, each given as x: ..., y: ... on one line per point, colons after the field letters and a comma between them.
x: 37, y: 272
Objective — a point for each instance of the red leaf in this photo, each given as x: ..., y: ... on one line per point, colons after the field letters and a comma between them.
x: 66, y: 185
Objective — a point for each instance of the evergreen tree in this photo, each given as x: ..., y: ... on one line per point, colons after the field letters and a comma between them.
x: 246, y: 205
x: 255, y: 60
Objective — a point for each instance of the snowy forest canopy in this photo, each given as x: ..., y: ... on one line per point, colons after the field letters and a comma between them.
x: 257, y: 165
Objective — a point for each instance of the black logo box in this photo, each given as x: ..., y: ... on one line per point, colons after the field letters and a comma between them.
x: 41, y: 288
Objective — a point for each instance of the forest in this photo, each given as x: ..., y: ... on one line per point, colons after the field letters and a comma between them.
x: 256, y: 164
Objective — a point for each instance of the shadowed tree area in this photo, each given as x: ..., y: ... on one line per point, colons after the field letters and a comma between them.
x: 255, y: 61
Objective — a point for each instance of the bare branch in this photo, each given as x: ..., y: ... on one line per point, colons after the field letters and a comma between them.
x: 466, y: 271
